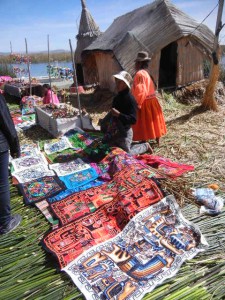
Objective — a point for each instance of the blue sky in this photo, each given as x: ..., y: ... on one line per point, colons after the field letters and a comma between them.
x: 34, y: 20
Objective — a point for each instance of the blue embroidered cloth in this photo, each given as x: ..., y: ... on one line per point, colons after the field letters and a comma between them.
x: 79, y: 178
x: 68, y: 192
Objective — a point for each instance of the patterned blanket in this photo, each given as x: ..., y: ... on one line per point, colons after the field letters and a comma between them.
x: 150, y: 249
x: 98, y: 214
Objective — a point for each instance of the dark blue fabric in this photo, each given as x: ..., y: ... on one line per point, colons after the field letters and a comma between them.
x: 8, y: 134
x: 4, y: 189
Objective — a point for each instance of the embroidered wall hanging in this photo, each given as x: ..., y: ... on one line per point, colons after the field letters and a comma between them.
x: 26, y: 162
x: 32, y: 173
x: 150, y: 249
x: 68, y: 168
x: 57, y: 145
x: 41, y: 188
x: 79, y: 178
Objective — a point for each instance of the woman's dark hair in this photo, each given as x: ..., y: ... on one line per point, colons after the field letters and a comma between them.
x: 47, y: 86
x: 143, y: 64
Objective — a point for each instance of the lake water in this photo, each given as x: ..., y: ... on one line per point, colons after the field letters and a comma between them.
x: 40, y: 69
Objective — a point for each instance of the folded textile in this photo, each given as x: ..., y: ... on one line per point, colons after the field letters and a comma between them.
x: 44, y: 208
x: 165, y: 165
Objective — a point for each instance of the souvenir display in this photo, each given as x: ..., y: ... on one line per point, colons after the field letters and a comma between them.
x: 60, y: 111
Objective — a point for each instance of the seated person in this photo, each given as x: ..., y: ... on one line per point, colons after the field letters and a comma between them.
x: 117, y: 123
x: 49, y: 95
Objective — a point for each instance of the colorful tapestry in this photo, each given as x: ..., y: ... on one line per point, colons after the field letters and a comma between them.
x: 26, y: 162
x: 44, y: 208
x: 68, y: 168
x: 41, y: 188
x: 57, y: 145
x: 114, y: 204
x: 32, y: 173
x: 128, y: 199
x: 68, y: 192
x: 150, y: 249
x: 79, y: 178
x: 165, y: 165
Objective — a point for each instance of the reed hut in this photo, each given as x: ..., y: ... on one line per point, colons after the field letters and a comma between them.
x: 88, y: 32
x: 177, y: 44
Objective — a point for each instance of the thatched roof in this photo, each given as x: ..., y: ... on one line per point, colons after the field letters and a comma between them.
x: 150, y: 28
x: 88, y: 31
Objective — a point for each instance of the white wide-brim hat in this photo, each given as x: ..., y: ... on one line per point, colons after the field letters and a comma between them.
x: 125, y: 77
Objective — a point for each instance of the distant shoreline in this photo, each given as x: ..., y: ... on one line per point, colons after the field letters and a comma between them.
x: 41, y: 57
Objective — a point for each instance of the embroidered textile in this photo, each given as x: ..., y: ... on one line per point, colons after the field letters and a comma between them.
x: 57, y: 145
x: 82, y: 145
x: 150, y: 249
x: 113, y: 203
x: 79, y: 178
x: 32, y: 173
x: 30, y: 152
x: 71, y: 167
x: 129, y: 198
x: 165, y: 165
x: 41, y: 188
x: 26, y: 162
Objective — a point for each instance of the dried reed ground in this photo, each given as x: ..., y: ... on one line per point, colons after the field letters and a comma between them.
x: 27, y: 272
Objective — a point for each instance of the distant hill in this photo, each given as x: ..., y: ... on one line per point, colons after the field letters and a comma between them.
x: 37, y: 52
x: 52, y: 51
x: 39, y: 57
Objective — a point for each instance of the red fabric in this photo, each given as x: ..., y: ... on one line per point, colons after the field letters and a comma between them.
x: 166, y: 166
x: 100, y: 213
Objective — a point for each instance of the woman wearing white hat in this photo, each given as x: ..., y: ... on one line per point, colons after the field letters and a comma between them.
x: 117, y: 123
